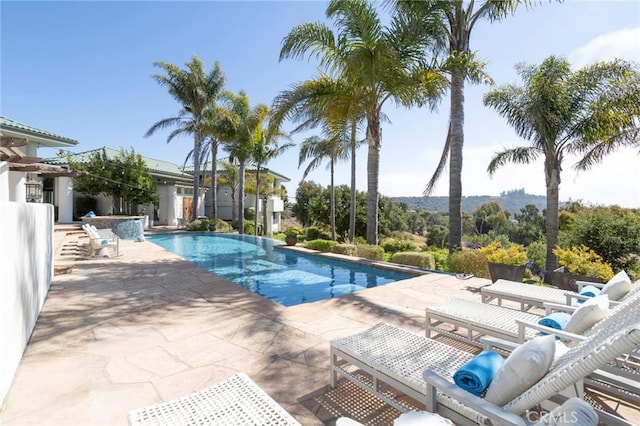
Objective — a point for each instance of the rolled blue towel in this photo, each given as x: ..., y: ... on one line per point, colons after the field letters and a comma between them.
x: 476, y: 374
x: 557, y: 320
x: 589, y: 291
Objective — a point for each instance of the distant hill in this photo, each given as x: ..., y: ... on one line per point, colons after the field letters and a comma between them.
x: 512, y: 201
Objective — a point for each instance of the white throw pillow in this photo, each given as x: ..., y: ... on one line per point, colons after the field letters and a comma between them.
x: 618, y: 286
x: 589, y: 313
x: 527, y: 364
x: 573, y: 412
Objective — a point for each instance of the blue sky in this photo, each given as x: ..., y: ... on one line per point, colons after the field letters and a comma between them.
x: 83, y: 70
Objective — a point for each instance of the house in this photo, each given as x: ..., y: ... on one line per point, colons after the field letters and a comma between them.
x: 23, y: 174
x: 175, y: 192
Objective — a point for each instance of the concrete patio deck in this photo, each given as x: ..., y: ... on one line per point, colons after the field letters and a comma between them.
x: 148, y: 326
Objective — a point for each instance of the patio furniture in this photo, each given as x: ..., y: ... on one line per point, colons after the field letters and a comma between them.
x: 101, y: 239
x: 529, y: 295
x: 397, y: 358
x: 234, y: 401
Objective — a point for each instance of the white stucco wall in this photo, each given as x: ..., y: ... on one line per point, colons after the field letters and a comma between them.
x: 4, y: 181
x: 26, y: 262
x: 17, y: 188
x: 64, y: 199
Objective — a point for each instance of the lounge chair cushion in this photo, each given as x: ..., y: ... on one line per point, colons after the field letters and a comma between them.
x: 618, y: 286
x: 573, y: 412
x: 589, y: 313
x: 527, y: 364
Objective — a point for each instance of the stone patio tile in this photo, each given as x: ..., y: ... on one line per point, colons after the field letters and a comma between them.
x: 158, y: 361
x: 197, y: 351
x: 125, y: 344
x: 121, y: 370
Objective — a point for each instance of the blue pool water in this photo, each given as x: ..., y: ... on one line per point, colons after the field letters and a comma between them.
x: 286, y: 277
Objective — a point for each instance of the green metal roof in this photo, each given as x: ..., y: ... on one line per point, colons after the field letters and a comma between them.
x: 11, y: 125
x: 154, y: 166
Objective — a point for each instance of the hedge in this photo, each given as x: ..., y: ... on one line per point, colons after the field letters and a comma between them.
x: 321, y: 245
x: 346, y: 249
x: 370, y: 251
x: 415, y: 258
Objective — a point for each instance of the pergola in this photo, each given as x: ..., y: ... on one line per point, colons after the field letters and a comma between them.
x: 20, y: 162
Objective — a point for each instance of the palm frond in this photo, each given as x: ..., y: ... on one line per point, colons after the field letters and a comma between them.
x: 517, y: 155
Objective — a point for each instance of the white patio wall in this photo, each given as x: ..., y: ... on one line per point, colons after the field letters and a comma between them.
x: 26, y: 262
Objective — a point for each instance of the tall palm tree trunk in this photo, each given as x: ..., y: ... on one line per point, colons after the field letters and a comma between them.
x: 241, y: 196
x: 373, y: 168
x: 257, y: 202
x: 332, y: 203
x: 552, y: 178
x: 214, y: 181
x: 197, y: 142
x: 352, y: 207
x: 456, y: 130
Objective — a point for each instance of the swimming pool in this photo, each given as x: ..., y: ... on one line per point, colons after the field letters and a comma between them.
x: 287, y: 277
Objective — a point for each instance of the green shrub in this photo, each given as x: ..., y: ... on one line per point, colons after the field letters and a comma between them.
x: 394, y: 245
x: 315, y: 233
x: 249, y: 228
x: 415, y: 258
x: 198, y: 225
x: 537, y: 253
x: 85, y: 204
x: 249, y: 213
x: 346, y: 249
x: 293, y: 230
x: 581, y: 260
x: 440, y: 256
x: 360, y: 240
x: 370, y: 251
x: 469, y: 262
x: 321, y: 245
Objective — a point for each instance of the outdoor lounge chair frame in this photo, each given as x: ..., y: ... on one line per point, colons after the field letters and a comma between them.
x: 529, y: 296
x: 397, y: 358
x: 234, y: 401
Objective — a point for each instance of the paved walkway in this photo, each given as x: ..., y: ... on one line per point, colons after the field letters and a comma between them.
x: 148, y: 326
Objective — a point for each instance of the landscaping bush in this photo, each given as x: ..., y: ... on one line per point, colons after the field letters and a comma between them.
x: 249, y: 228
x: 415, y: 258
x: 315, y: 233
x: 85, y: 204
x: 198, y: 225
x: 394, y: 245
x: 440, y: 256
x: 515, y: 254
x: 321, y: 245
x: 222, y: 226
x: 537, y: 253
x: 469, y: 262
x: 293, y: 230
x: 346, y: 249
x: 370, y: 251
x: 581, y: 260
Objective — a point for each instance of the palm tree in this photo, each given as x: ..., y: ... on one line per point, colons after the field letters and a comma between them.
x: 382, y: 62
x: 455, y: 20
x: 564, y: 112
x: 317, y: 149
x: 266, y: 148
x: 230, y: 177
x: 194, y: 89
x: 325, y: 100
x: 240, y: 142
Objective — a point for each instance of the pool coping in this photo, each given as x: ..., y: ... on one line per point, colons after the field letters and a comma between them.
x: 363, y: 261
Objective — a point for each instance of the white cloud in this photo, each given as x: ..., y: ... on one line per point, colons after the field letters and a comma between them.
x: 624, y: 44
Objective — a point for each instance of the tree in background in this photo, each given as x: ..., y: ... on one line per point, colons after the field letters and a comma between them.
x: 266, y: 138
x: 239, y: 143
x: 490, y: 217
x: 124, y: 177
x: 561, y: 112
x: 529, y: 226
x: 382, y: 62
x: 612, y: 232
x: 194, y: 88
x: 230, y: 177
x: 305, y: 192
x: 316, y: 149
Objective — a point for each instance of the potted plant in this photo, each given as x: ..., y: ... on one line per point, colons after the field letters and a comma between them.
x: 578, y: 264
x: 505, y: 263
x: 291, y: 238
